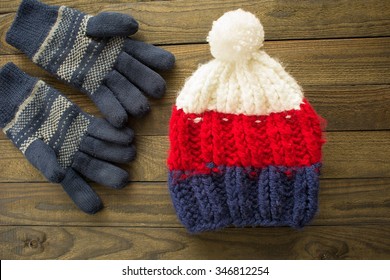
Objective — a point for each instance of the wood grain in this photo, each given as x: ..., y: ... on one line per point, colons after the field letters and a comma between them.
x: 190, y: 21
x: 317, y: 62
x: 343, y: 107
x: 363, y: 107
x: 346, y: 155
x: 339, y: 53
x: 349, y: 96
x: 341, y: 202
x: 9, y: 6
x: 338, y: 242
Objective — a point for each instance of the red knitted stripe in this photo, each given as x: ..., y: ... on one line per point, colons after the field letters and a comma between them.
x: 203, y: 141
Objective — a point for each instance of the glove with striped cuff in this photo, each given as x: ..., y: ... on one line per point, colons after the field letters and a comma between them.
x: 60, y: 140
x: 93, y: 54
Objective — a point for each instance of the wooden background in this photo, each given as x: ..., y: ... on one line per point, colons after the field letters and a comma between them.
x: 339, y: 51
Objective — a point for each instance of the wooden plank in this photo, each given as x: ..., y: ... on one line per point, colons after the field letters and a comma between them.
x: 190, y: 21
x: 363, y: 107
x: 346, y: 80
x: 316, y: 62
x: 352, y: 107
x: 10, y: 6
x: 341, y: 202
x: 340, y: 242
x: 326, y: 80
x: 357, y: 155
x: 344, y: 108
x: 346, y: 155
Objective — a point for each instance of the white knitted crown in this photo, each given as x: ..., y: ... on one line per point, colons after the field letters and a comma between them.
x: 242, y: 79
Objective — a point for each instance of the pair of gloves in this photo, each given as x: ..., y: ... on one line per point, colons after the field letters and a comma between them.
x: 94, y: 55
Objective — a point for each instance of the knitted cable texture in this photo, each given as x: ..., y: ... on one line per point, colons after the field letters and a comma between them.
x: 245, y: 145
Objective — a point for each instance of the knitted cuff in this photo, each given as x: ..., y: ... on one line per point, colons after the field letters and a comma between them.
x: 16, y: 86
x: 31, y: 26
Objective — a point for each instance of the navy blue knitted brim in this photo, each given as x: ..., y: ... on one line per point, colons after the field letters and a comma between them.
x: 271, y: 196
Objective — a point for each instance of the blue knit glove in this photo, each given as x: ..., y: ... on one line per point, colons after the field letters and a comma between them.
x: 60, y: 140
x: 93, y: 54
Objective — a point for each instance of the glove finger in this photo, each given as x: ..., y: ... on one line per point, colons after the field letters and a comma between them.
x: 152, y: 56
x: 140, y: 75
x: 109, y: 106
x: 128, y: 95
x: 100, y: 171
x: 81, y: 193
x: 110, y: 24
x: 107, y: 151
x: 100, y: 128
x: 42, y: 157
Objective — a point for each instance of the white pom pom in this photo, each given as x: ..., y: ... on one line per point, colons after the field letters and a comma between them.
x: 235, y: 36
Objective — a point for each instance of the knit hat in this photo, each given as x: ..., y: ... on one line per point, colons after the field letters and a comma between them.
x: 245, y: 145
